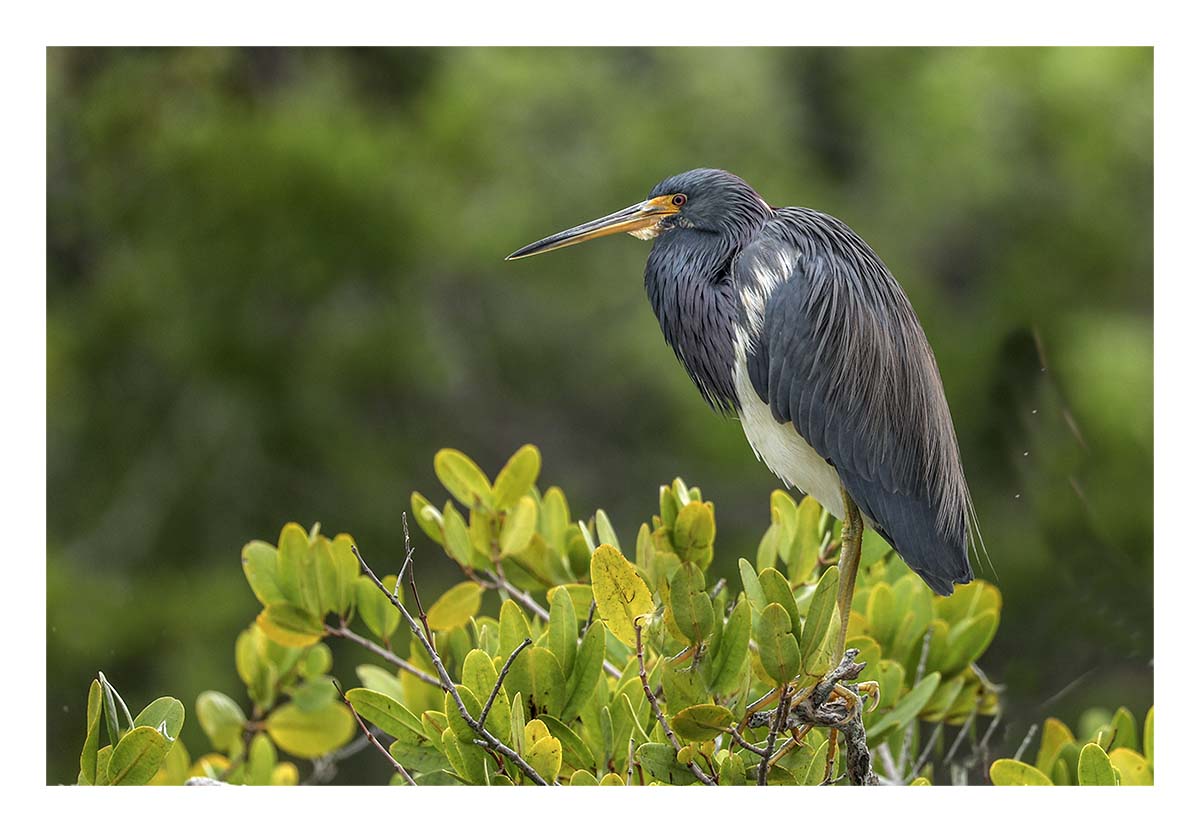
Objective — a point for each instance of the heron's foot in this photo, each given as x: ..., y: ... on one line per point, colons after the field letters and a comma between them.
x: 830, y: 757
x: 756, y: 706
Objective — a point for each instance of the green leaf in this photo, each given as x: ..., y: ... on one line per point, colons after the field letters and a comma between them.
x: 375, y: 608
x: 378, y: 679
x: 701, y: 723
x: 777, y: 646
x: 768, y: 547
x: 621, y: 596
x: 386, y: 713
x: 967, y: 641
x: 583, y: 778
x: 1124, y: 731
x: 882, y: 615
x: 517, y: 477
x: 91, y: 745
x: 259, y: 564
x: 694, y: 532
x: 777, y: 591
x: 690, y: 604
x: 1015, y: 773
x: 346, y: 566
x: 260, y: 761
x: 290, y: 625
x: 1094, y: 767
x: 519, y: 527
x: 750, y: 582
x: 1134, y: 768
x: 659, y: 763
x: 137, y: 757
x: 463, y: 478
x: 164, y: 714
x: 547, y: 682
x: 427, y: 517
x: 221, y: 718
x: 731, y: 653
x: 604, y: 530
x: 575, y: 750
x: 806, y: 544
x: 581, y: 598
x: 585, y: 673
x: 458, y: 538
x: 554, y: 517
x: 296, y: 569
x: 456, y: 607
x: 310, y: 734
x: 907, y: 708
x: 874, y: 547
x: 816, y: 624
x: 562, y: 630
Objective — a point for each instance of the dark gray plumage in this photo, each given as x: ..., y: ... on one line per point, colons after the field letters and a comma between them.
x: 787, y: 318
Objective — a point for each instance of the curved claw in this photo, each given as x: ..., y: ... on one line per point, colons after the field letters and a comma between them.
x: 870, y: 689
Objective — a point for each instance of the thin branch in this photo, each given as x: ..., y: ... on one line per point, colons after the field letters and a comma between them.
x: 500, y: 679
x: 1025, y: 742
x: 401, y: 770
x: 447, y: 683
x: 381, y: 652
x: 961, y: 735
x: 740, y: 740
x: 776, y: 727
x: 928, y: 750
x: 658, y: 714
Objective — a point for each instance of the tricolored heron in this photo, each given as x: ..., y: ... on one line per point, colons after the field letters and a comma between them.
x: 787, y: 318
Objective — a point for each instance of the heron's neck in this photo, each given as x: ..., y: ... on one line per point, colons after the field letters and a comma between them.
x: 687, y: 281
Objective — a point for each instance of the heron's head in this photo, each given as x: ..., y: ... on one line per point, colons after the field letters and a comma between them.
x: 704, y: 199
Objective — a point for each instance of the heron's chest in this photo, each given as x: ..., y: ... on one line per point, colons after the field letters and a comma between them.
x: 784, y: 450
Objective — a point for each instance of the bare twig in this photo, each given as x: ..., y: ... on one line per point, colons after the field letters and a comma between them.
x: 500, y: 678
x: 961, y: 735
x: 381, y: 652
x: 658, y: 714
x: 447, y: 683
x: 1025, y: 742
x: 925, y: 753
x: 740, y: 740
x: 400, y: 769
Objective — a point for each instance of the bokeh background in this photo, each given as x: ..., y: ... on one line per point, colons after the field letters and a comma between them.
x: 276, y: 287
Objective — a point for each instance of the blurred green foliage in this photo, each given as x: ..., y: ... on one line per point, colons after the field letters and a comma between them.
x: 275, y: 287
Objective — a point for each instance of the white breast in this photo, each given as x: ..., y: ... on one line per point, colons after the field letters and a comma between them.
x: 783, y: 449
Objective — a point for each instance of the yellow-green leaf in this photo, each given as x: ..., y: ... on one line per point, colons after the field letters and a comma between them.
x: 386, y: 713
x: 462, y: 478
x: 517, y: 477
x: 700, y: 723
x: 137, y: 757
x: 310, y: 734
x: 622, y: 597
x: 427, y: 517
x: 290, y: 625
x: 1015, y: 773
x: 456, y: 607
x: 694, y: 532
x: 1095, y: 768
x: 519, y: 526
x: 545, y: 756
x: 221, y: 718
x: 91, y: 745
x: 259, y: 564
x: 375, y: 608
x: 816, y: 624
x: 777, y: 647
x: 690, y: 604
x: 1134, y: 768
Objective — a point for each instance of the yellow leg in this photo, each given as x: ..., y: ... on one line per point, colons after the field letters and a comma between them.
x: 852, y: 534
x: 830, y: 756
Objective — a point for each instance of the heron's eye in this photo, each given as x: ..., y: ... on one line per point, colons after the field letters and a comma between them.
x: 678, y: 200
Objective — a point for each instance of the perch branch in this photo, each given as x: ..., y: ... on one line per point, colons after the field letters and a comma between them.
x: 500, y: 678
x: 381, y: 652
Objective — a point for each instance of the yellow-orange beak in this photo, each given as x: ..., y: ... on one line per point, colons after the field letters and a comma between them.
x: 629, y: 220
